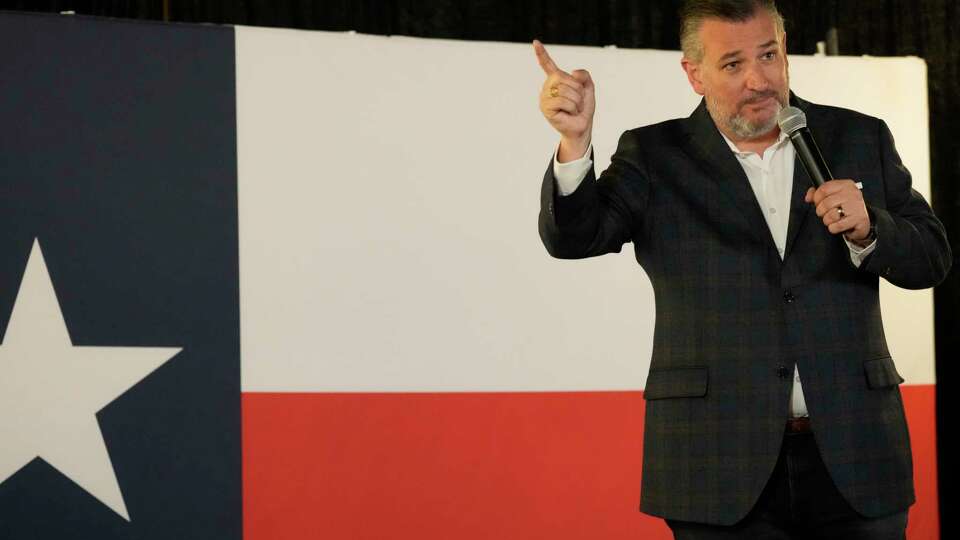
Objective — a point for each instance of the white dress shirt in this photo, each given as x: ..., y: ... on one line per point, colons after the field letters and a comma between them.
x: 770, y: 177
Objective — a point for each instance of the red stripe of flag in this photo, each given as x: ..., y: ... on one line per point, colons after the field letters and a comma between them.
x: 559, y: 465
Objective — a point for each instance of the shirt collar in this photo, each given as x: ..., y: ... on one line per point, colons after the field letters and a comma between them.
x: 738, y: 152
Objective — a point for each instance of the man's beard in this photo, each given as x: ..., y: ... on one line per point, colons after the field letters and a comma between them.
x: 740, y: 126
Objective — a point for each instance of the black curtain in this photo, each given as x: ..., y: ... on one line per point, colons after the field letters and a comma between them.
x: 924, y: 28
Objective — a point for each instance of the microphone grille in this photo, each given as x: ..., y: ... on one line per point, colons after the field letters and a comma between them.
x: 791, y: 119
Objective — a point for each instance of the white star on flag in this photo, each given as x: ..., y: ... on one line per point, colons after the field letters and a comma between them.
x: 51, y: 390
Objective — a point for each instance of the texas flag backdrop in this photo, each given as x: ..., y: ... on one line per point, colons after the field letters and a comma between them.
x: 275, y: 284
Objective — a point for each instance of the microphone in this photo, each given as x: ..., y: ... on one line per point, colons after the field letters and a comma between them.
x: 793, y: 122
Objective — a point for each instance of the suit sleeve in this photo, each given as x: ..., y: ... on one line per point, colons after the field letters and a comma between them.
x: 601, y: 214
x: 912, y: 249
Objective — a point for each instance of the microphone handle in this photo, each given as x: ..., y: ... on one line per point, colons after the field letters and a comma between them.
x: 810, y: 156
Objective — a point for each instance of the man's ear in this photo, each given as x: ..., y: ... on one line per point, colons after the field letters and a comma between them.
x: 693, y: 74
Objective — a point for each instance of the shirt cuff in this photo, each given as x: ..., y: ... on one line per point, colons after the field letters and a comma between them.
x: 570, y: 174
x: 857, y: 253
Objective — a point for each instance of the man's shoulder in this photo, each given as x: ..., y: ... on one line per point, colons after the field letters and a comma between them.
x: 667, y: 132
x: 833, y: 113
x: 660, y: 127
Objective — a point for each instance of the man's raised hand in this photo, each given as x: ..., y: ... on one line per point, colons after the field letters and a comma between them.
x: 568, y: 102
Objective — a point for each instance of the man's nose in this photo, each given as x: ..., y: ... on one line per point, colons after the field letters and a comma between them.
x: 756, y: 80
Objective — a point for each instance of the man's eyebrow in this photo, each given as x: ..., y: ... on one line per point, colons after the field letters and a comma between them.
x: 734, y: 54
x: 729, y: 55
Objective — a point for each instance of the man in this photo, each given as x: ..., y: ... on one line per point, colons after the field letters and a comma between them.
x: 773, y: 405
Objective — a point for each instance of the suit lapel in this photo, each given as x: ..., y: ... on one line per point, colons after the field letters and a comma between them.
x: 722, y: 167
x: 799, y: 210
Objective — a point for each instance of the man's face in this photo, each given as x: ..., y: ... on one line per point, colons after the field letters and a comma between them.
x: 743, y: 74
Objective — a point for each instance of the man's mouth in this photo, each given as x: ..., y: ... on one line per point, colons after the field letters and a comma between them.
x: 765, y: 100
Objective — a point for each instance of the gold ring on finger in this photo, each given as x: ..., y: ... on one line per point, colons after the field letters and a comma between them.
x: 554, y: 91
x: 840, y: 212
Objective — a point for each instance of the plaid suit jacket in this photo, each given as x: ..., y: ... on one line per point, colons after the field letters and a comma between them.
x: 733, y: 319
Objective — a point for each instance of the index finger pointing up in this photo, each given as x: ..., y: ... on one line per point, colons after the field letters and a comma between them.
x: 546, y: 63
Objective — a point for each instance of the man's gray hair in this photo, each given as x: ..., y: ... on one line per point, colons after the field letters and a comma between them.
x: 694, y: 12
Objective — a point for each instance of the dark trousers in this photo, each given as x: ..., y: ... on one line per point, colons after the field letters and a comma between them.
x: 799, y: 501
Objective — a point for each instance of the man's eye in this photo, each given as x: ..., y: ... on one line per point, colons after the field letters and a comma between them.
x: 731, y: 66
x: 769, y: 55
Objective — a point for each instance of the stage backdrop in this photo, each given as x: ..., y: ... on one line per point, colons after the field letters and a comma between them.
x: 279, y: 284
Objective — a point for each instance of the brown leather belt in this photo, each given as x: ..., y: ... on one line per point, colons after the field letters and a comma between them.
x: 799, y: 425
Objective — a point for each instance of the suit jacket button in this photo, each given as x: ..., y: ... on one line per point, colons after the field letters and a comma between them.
x: 783, y: 372
x: 788, y: 297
